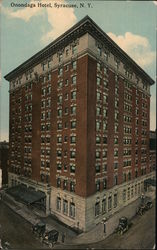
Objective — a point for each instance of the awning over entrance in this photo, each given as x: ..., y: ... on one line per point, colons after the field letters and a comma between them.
x: 151, y: 182
x: 25, y: 195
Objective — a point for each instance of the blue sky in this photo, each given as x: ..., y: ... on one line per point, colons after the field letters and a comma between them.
x: 25, y: 31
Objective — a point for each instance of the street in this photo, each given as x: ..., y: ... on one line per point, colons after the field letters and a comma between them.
x: 17, y: 232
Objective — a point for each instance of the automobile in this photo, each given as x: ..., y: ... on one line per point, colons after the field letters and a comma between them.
x: 148, y: 205
x: 123, y: 226
x: 39, y: 229
x: 141, y: 209
x: 50, y: 237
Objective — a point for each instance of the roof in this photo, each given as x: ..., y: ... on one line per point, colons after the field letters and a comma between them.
x: 85, y: 25
x: 25, y: 195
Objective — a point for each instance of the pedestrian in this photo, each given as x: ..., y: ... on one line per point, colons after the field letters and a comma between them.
x: 63, y: 237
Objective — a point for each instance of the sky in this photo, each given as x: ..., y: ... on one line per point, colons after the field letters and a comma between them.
x: 25, y: 31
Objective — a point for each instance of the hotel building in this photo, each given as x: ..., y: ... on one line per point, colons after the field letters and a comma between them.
x: 79, y: 126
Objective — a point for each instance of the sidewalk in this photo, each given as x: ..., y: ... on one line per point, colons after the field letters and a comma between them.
x: 71, y: 237
x: 34, y: 216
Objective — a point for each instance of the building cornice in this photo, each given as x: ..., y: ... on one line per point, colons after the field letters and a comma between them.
x: 86, y: 25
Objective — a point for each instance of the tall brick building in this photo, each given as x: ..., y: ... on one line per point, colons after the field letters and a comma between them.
x: 79, y: 126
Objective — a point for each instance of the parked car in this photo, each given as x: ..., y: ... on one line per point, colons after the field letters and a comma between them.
x: 149, y: 205
x: 141, y: 209
x: 39, y: 229
x: 123, y: 226
x: 50, y: 237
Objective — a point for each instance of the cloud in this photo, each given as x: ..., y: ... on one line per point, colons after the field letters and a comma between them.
x: 4, y: 136
x: 60, y: 20
x: 137, y: 47
x: 25, y: 13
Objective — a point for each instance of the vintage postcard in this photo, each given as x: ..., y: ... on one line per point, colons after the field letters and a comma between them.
x: 77, y: 124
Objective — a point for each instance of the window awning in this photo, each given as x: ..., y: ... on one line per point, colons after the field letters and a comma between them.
x: 150, y: 181
x: 25, y: 195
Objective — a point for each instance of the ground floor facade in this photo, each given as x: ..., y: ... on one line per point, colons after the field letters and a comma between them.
x: 85, y: 213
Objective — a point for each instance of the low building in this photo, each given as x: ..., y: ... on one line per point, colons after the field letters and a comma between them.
x: 4, y: 162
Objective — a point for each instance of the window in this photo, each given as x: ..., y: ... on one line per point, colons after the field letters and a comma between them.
x: 124, y: 177
x: 116, y: 140
x: 60, y: 97
x: 73, y: 139
x: 60, y: 71
x: 97, y: 168
x: 98, y: 67
x: 104, y: 153
x: 73, y: 110
x: 115, y: 165
x: 72, y: 210
x: 128, y: 193
x: 72, y: 186
x: 74, y: 80
x: 43, y: 92
x: 59, y: 166
x: 65, y: 184
x: 66, y: 82
x: 104, y: 205
x: 115, y: 201
x: 58, y: 203
x: 73, y: 95
x: 105, y: 113
x: 109, y: 203
x: 59, y: 139
x: 106, y: 56
x: 60, y: 84
x: 115, y: 152
x: 98, y: 126
x: 74, y: 64
x: 129, y: 176
x: 99, y: 51
x: 105, y: 98
x: 98, y: 96
x: 60, y: 57
x: 104, y: 183
x: 59, y: 112
x: 98, y: 139
x: 105, y: 70
x: 72, y: 154
x: 74, y: 49
x: 73, y: 124
x: 97, y: 208
x: 65, y: 207
x: 98, y: 81
x: 58, y: 182
x: 49, y: 77
x: 59, y: 153
x: 124, y: 195
x: 116, y: 179
x: 66, y: 111
x: 98, y: 111
x: 59, y: 125
x: 98, y: 185
x: 97, y: 154
x: 72, y: 168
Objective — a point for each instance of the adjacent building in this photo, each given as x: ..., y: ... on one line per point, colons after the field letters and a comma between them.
x: 4, y: 164
x: 79, y: 126
x: 152, y: 150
